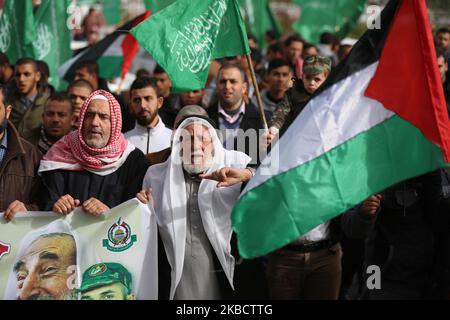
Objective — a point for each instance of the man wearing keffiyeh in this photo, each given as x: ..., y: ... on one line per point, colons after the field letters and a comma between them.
x: 94, y: 167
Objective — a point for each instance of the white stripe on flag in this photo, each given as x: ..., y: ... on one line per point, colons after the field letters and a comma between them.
x: 62, y: 70
x: 115, y: 49
x: 336, y: 115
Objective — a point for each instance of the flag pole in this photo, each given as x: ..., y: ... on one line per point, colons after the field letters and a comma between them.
x: 119, y: 89
x: 258, y: 96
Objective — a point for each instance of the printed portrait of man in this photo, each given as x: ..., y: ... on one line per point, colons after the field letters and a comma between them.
x: 43, y: 270
x: 106, y: 281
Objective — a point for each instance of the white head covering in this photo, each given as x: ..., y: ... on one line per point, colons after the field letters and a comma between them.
x: 170, y: 203
x: 99, y: 97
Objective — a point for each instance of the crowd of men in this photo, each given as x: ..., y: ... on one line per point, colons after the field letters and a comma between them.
x: 184, y: 155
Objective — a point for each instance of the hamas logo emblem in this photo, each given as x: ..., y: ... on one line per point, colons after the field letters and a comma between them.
x: 43, y: 43
x: 119, y: 237
x: 4, y: 249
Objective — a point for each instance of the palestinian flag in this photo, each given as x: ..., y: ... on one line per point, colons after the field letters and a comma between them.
x: 114, y: 54
x: 380, y: 118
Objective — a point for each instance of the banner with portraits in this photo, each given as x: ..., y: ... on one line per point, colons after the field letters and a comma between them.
x: 44, y: 256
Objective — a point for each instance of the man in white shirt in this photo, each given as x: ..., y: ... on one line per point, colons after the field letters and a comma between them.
x: 150, y: 135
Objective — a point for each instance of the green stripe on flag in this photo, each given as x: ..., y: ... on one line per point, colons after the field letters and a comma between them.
x: 157, y: 5
x: 292, y: 203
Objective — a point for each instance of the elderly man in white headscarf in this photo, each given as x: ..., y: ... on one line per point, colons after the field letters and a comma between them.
x: 193, y: 215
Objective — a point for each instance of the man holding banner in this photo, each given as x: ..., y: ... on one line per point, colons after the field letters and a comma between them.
x: 94, y: 167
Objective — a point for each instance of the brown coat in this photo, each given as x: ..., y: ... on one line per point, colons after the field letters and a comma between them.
x: 18, y: 172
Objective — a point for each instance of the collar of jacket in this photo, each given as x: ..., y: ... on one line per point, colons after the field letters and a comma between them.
x: 41, y: 96
x: 15, y: 145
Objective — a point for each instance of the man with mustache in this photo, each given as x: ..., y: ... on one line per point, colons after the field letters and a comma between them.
x: 57, y: 120
x: 234, y: 116
x: 94, y: 167
x: 150, y: 135
x: 193, y: 214
x: 44, y: 269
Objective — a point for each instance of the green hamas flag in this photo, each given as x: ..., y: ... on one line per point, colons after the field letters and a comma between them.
x: 157, y: 5
x: 335, y: 16
x: 259, y: 18
x: 52, y: 43
x: 17, y: 31
x: 112, y: 10
x: 186, y: 35
x: 43, y: 35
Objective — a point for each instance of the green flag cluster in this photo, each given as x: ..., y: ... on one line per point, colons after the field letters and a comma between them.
x: 112, y: 10
x: 257, y: 14
x: 259, y: 19
x: 42, y: 35
x: 186, y: 35
x: 335, y: 16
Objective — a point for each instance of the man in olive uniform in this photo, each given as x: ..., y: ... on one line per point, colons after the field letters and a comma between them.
x: 106, y: 281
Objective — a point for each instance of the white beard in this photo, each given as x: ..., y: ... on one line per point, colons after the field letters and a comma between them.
x: 198, y: 166
x: 195, y: 168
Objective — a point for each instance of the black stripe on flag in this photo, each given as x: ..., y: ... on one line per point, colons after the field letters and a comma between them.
x: 96, y: 51
x: 364, y: 53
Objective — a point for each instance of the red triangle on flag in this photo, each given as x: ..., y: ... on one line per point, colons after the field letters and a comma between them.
x: 130, y: 46
x: 407, y: 79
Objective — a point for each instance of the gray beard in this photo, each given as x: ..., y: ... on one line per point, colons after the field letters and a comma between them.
x: 69, y: 295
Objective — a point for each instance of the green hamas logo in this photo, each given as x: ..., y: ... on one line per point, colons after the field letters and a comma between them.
x: 119, y: 237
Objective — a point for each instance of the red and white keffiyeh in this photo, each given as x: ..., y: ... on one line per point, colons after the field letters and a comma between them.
x: 72, y: 153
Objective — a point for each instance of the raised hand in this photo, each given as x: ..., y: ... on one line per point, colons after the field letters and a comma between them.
x: 229, y: 176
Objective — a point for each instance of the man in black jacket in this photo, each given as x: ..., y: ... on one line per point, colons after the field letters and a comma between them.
x: 94, y: 167
x: 239, y: 122
x: 403, y: 240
